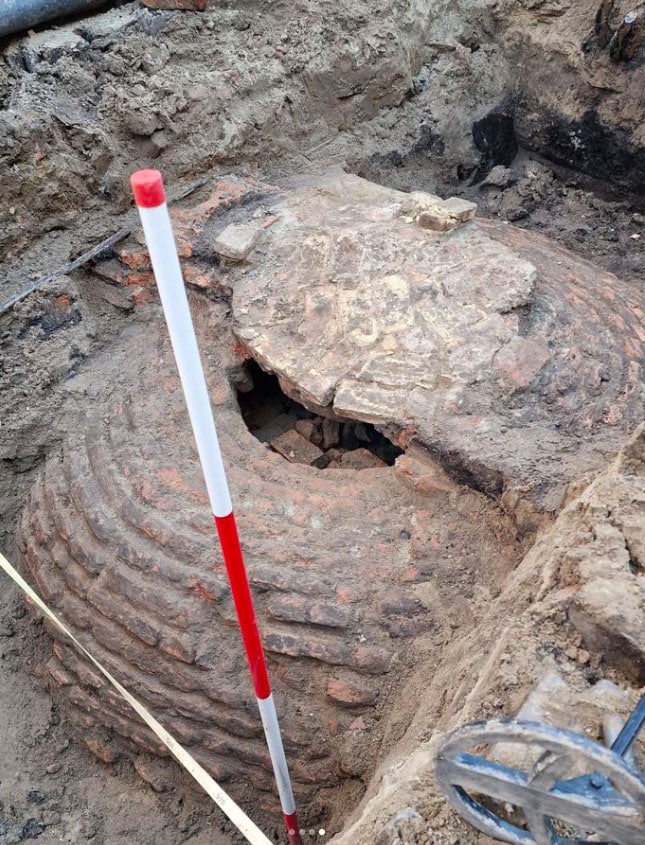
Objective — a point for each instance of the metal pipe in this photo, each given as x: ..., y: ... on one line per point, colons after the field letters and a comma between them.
x: 630, y: 731
x: 18, y: 15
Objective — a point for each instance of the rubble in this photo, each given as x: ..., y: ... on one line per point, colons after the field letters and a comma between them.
x: 445, y: 215
x: 499, y: 177
x: 361, y: 459
x: 297, y: 449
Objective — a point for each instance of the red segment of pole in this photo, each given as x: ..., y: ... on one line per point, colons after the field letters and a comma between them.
x: 148, y: 189
x: 293, y: 831
x: 234, y: 560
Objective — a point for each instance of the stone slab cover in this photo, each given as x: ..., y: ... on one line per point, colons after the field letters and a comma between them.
x: 514, y: 361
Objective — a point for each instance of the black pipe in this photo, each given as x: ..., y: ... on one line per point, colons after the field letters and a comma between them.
x: 18, y: 15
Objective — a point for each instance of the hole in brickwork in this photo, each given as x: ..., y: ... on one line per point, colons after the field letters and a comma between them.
x: 303, y: 437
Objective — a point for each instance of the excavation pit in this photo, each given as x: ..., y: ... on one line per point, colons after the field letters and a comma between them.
x: 360, y: 575
x: 395, y: 600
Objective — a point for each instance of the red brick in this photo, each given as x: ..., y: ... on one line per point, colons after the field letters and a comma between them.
x: 141, y: 296
x: 159, y: 774
x: 105, y: 751
x: 134, y: 258
x: 302, y: 609
x: 522, y: 359
x: 56, y: 672
x: 349, y: 694
x: 199, y: 278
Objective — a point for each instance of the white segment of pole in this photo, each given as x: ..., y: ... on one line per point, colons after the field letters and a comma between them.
x: 271, y: 727
x: 165, y: 263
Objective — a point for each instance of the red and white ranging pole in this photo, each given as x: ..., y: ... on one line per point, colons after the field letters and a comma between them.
x: 150, y: 197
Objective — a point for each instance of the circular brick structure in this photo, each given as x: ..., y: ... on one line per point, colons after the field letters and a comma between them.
x: 355, y: 575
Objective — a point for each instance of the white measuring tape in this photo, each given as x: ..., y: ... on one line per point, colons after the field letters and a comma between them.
x: 241, y: 821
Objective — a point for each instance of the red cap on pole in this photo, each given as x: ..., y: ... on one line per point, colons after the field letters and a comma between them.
x: 148, y: 189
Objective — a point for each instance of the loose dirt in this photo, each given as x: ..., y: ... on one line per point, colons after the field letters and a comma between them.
x: 388, y: 92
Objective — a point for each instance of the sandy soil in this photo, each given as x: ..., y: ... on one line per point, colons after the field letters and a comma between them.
x: 366, y: 89
x: 51, y: 788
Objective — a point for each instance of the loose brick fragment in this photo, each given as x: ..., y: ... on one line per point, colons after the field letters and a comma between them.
x: 421, y: 477
x: 361, y: 459
x: 330, y: 433
x: 136, y: 259
x: 310, y: 430
x: 349, y: 694
x: 297, y: 449
x: 105, y: 751
x: 141, y: 296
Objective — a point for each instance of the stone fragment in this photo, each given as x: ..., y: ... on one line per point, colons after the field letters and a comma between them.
x: 237, y: 240
x: 310, y: 430
x: 112, y: 294
x: 185, y: 5
x: 463, y: 210
x: 330, y: 433
x: 437, y: 220
x: 499, y: 177
x: 445, y: 215
x: 609, y: 614
x: 404, y: 827
x: 297, y: 449
x: 361, y: 459
x: 335, y: 455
